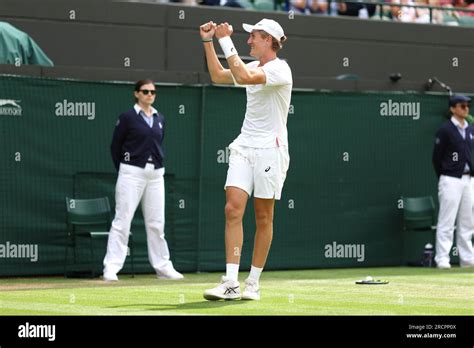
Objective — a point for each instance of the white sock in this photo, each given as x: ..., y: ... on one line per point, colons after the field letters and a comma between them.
x: 232, y: 271
x: 255, y: 273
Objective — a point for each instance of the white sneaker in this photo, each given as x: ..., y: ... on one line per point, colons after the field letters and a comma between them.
x: 443, y: 265
x: 226, y: 290
x: 170, y: 274
x: 110, y: 277
x: 466, y: 264
x: 252, y: 290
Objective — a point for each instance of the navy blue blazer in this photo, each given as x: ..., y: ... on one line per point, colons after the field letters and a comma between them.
x: 451, y: 152
x: 134, y: 141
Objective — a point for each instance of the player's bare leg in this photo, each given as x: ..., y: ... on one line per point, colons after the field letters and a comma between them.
x: 263, y: 240
x: 264, y: 234
x: 236, y: 200
x: 229, y: 288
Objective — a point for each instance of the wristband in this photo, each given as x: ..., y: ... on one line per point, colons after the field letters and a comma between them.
x: 206, y: 40
x: 227, y: 46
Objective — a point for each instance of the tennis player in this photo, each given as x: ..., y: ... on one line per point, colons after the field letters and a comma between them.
x: 259, y: 156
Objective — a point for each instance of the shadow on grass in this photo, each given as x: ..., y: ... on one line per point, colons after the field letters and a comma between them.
x: 181, y: 306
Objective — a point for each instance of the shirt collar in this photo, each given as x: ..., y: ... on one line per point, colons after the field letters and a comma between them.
x: 138, y: 109
x: 457, y: 124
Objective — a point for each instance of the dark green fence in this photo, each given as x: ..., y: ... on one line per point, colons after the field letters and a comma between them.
x: 349, y: 167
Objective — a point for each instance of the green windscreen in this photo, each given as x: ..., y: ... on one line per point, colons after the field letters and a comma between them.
x: 350, y: 164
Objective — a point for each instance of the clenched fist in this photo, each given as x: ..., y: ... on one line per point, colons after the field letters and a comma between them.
x: 207, y: 30
x: 224, y: 29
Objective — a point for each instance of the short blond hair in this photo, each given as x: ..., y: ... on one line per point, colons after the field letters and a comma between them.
x: 276, y: 45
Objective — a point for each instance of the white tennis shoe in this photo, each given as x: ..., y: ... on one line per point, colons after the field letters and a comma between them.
x: 443, y: 265
x: 226, y: 290
x: 469, y: 264
x: 252, y: 290
x: 170, y: 274
x: 110, y: 277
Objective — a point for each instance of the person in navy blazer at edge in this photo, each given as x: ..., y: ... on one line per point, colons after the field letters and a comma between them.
x: 137, y: 153
x: 454, y: 168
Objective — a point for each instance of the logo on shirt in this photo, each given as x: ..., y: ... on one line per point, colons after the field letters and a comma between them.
x: 267, y: 169
x: 10, y: 107
x: 159, y: 124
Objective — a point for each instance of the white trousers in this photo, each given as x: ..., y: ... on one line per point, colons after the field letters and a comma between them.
x: 135, y: 184
x: 455, y: 204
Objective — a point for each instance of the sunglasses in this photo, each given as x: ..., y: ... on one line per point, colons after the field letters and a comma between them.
x: 464, y: 106
x: 146, y: 91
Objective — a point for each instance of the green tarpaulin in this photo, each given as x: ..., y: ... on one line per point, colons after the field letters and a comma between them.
x: 17, y: 47
x: 351, y: 161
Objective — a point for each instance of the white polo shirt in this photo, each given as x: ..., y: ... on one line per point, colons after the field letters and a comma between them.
x: 267, y: 107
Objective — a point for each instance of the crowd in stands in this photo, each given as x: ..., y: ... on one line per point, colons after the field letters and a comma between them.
x: 416, y: 12
x: 449, y: 12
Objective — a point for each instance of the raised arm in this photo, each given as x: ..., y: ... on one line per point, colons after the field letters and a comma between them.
x: 216, y: 70
x: 242, y: 74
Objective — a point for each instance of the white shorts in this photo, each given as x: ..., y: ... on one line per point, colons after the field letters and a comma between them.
x: 260, y: 170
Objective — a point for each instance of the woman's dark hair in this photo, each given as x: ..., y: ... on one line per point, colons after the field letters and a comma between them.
x: 139, y: 84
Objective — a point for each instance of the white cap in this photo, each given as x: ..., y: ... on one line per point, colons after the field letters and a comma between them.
x: 268, y: 25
